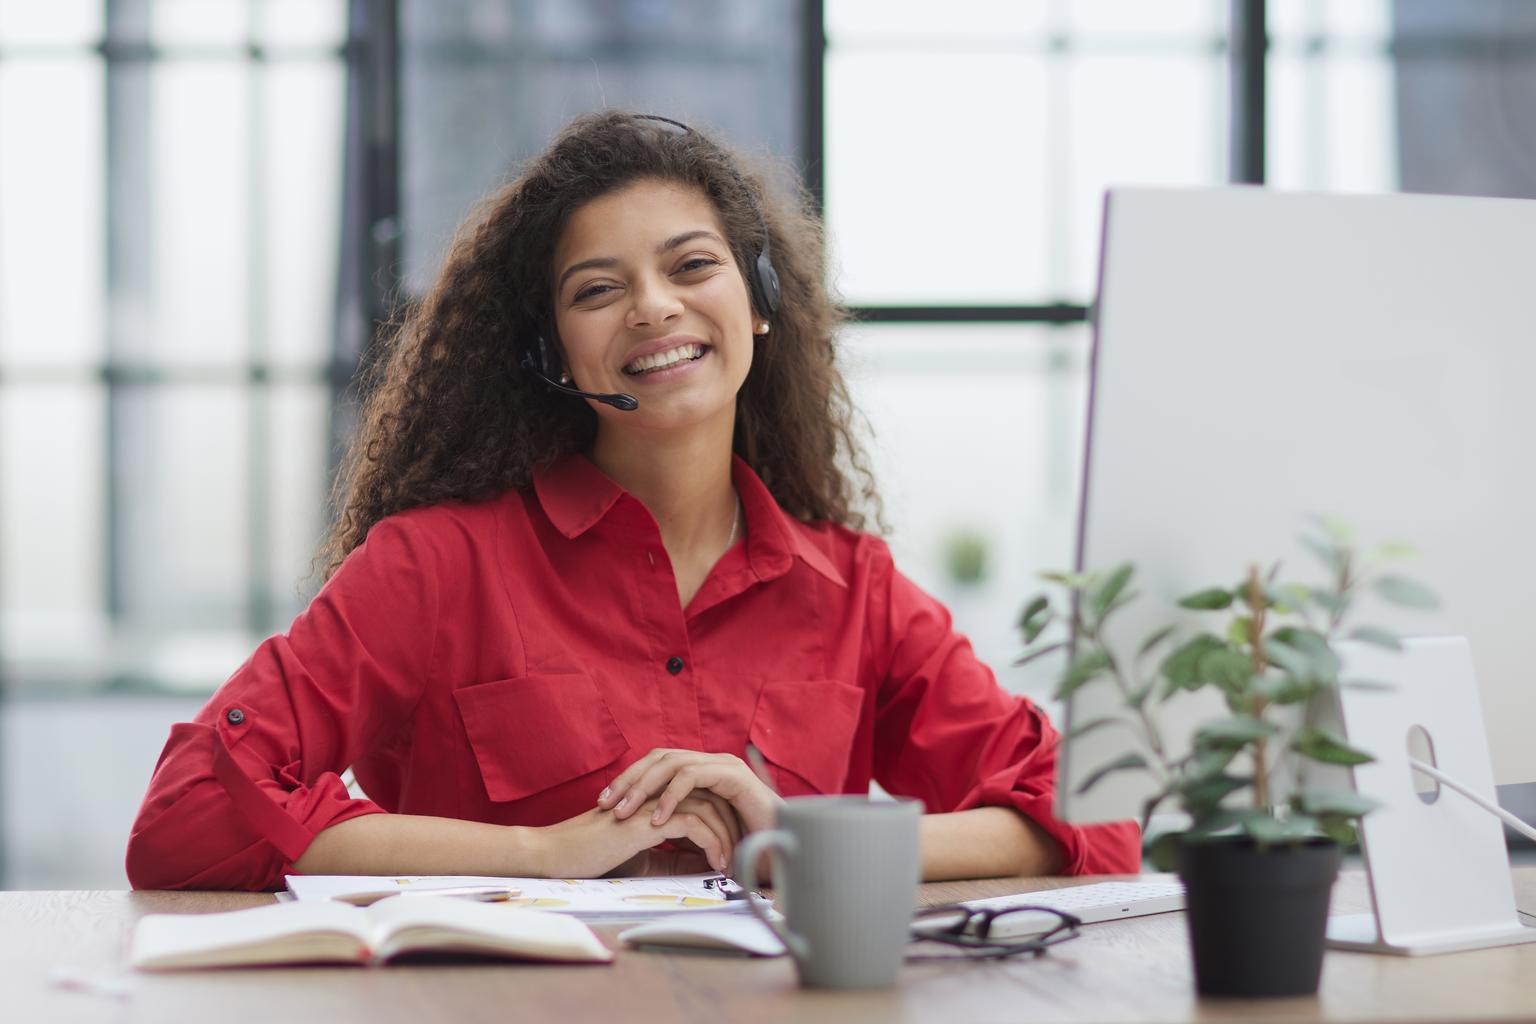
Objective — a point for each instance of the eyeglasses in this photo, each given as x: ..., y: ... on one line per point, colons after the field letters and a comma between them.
x: 992, y: 933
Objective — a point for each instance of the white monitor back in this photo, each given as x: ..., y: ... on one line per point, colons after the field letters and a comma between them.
x: 1259, y: 356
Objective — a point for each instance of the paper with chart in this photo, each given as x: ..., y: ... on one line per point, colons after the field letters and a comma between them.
x: 607, y: 899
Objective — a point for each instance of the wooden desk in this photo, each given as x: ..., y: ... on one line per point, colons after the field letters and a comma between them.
x: 1123, y: 971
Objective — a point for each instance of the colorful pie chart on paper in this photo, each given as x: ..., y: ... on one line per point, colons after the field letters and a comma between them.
x: 668, y: 900
x: 547, y: 902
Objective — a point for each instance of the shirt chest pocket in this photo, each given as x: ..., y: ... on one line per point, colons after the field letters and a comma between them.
x: 806, y: 731
x: 536, y: 732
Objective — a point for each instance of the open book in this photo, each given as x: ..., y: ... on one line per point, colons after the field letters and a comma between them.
x: 333, y: 932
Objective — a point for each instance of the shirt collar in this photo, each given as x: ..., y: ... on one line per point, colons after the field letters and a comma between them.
x: 575, y: 495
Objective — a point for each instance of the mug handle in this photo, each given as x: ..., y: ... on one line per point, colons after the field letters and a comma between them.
x: 747, y: 853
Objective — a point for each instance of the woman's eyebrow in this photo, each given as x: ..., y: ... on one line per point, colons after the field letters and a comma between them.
x: 576, y: 268
x: 608, y: 261
x: 687, y: 236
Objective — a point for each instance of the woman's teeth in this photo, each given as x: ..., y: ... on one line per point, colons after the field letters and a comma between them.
x: 662, y: 360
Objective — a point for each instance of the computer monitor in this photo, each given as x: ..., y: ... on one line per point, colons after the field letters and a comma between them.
x: 1259, y: 356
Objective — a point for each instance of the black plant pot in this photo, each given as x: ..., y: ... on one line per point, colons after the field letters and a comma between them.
x: 1257, y: 916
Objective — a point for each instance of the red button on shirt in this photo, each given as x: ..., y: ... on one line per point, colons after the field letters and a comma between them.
x: 502, y: 661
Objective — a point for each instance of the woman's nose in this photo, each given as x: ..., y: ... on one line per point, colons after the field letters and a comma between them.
x: 653, y: 302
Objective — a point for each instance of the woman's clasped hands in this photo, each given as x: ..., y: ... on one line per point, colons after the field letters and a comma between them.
x: 703, y: 802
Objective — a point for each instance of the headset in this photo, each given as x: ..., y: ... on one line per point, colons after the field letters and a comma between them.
x: 762, y: 283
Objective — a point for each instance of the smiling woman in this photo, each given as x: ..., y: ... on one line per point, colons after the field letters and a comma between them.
x: 553, y: 625
x: 664, y: 312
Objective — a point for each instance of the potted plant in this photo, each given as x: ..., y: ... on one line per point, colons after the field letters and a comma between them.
x: 1257, y: 865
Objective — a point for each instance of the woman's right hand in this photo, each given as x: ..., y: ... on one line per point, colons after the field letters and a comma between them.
x: 595, y: 843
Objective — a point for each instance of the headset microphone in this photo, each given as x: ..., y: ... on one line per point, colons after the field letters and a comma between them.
x: 629, y: 403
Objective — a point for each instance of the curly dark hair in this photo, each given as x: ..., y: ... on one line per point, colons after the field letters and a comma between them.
x: 450, y: 414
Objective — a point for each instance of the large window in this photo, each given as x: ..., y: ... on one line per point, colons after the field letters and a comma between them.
x: 170, y: 181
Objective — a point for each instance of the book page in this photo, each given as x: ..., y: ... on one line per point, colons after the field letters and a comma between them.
x: 464, y: 926
x: 282, y: 933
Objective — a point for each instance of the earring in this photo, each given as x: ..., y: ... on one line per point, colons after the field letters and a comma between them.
x: 565, y: 378
x: 763, y: 328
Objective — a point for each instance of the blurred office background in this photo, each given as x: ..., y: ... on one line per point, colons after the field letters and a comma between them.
x: 205, y: 205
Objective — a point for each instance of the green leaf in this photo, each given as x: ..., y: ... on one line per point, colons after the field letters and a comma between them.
x: 1206, y: 763
x: 1339, y: 828
x: 1405, y: 592
x: 1137, y: 698
x: 1211, y: 791
x: 1039, y: 652
x: 1308, y: 641
x: 1102, y: 598
x: 1292, y: 597
x: 1182, y: 667
x: 1231, y: 670
x: 1237, y: 731
x: 1163, y: 852
x: 1287, y: 658
x: 1395, y: 549
x: 1331, y: 556
x: 1094, y: 724
x: 1303, y: 824
x: 1155, y: 639
x: 1213, y: 600
x: 1083, y: 670
x: 1380, y: 637
x: 1265, y: 829
x: 1070, y: 580
x: 1237, y: 630
x: 1222, y: 819
x: 1124, y: 762
x: 1239, y: 702
x: 1322, y: 745
x: 1284, y: 689
x: 1037, y: 615
x: 1330, y: 601
x: 1320, y: 801
x: 1323, y: 663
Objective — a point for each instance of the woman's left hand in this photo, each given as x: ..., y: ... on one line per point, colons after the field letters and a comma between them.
x: 670, y: 775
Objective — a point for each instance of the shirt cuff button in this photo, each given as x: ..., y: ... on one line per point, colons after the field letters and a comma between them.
x: 234, y: 716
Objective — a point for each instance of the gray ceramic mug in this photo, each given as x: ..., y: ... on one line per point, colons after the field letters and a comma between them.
x: 846, y: 874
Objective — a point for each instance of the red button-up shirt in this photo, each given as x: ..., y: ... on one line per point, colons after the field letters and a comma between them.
x: 502, y: 661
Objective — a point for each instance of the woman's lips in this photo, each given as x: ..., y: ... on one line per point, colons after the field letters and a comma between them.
x: 672, y: 372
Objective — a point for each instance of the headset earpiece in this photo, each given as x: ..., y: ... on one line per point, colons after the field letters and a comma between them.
x: 766, y: 279
x: 536, y: 358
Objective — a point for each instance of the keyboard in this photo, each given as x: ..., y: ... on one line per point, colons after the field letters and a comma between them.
x: 1091, y: 903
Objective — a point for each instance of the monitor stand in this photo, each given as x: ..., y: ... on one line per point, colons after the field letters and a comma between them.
x: 1437, y: 864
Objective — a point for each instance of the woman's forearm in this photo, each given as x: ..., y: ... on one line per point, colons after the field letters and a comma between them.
x: 985, y: 842
x: 411, y: 844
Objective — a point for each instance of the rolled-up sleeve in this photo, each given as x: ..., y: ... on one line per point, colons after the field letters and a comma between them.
x: 239, y: 793
x: 947, y: 734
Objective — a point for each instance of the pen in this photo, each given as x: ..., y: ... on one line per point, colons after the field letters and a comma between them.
x: 478, y: 893
x: 760, y: 768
